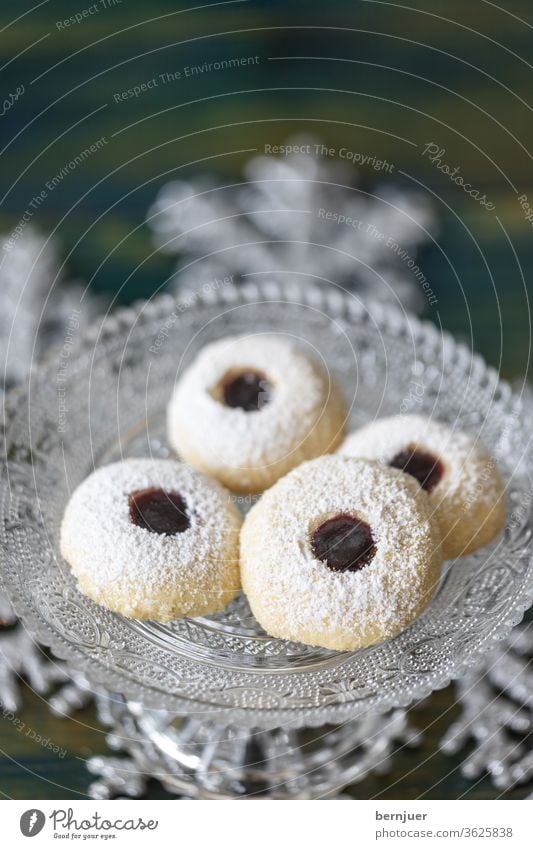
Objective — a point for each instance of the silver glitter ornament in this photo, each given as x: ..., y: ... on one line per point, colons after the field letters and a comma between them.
x: 298, y: 217
x: 496, y: 702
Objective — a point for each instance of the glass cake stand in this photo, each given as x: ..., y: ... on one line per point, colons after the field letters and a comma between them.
x: 214, y: 707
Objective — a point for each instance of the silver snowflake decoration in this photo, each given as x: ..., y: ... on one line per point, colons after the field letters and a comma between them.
x: 301, y: 215
x: 497, y: 713
x: 21, y: 657
x: 27, y: 267
x: 39, y: 308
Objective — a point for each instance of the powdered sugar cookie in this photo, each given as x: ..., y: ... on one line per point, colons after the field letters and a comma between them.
x: 249, y: 409
x: 153, y: 539
x: 461, y: 480
x: 340, y: 553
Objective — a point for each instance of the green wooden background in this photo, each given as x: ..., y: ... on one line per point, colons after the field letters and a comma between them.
x: 378, y: 77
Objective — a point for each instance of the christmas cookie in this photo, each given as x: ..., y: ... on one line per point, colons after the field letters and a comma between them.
x: 340, y: 553
x: 250, y: 409
x: 461, y: 480
x: 153, y: 539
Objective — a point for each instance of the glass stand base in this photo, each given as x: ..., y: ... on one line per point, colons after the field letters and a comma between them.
x: 206, y: 760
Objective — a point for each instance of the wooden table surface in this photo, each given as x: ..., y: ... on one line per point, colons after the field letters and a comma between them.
x: 377, y: 77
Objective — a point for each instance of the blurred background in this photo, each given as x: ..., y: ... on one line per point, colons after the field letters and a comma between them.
x: 424, y: 111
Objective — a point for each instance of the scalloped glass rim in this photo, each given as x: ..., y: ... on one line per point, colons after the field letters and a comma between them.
x: 226, y: 665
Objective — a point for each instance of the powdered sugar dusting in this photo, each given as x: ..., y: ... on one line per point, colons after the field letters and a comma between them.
x: 467, y: 501
x: 303, y: 400
x: 296, y: 596
x: 148, y: 574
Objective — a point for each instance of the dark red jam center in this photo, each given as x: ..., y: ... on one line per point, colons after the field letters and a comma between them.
x: 158, y: 511
x: 425, y: 467
x: 249, y: 390
x: 343, y: 543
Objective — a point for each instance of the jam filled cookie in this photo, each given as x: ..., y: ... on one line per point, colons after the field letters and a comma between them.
x: 250, y: 409
x: 340, y: 553
x: 153, y: 539
x: 461, y: 480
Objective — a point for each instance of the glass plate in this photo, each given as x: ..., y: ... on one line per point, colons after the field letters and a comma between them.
x: 105, y: 399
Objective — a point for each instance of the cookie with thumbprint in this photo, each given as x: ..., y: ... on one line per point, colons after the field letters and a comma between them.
x: 340, y: 553
x: 153, y: 539
x: 462, y: 482
x: 251, y: 408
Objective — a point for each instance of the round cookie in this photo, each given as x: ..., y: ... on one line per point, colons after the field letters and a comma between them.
x: 153, y: 539
x: 249, y: 409
x: 340, y: 553
x: 461, y: 480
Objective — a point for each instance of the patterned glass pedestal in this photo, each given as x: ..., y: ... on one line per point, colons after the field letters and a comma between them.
x: 237, y: 685
x: 199, y: 759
